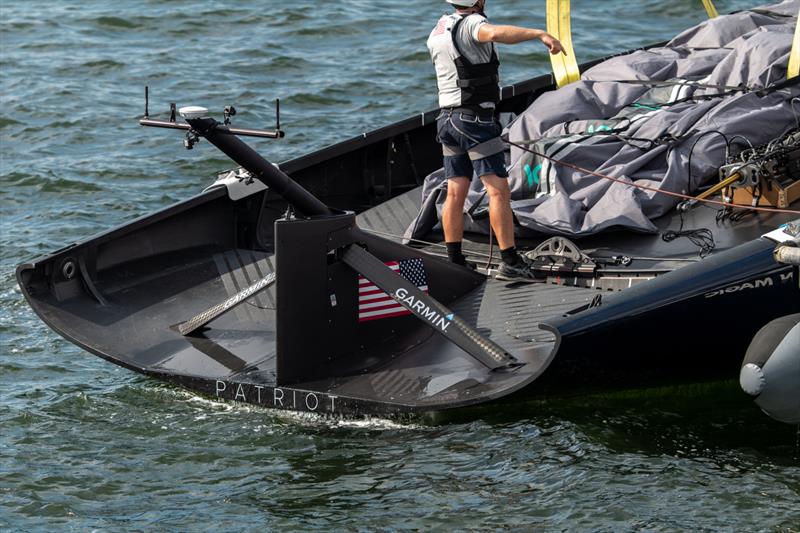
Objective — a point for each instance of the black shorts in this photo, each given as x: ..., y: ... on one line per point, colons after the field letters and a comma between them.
x: 471, y: 144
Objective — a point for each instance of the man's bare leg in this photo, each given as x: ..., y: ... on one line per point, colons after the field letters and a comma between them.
x: 500, y: 215
x: 502, y: 219
x: 453, y: 217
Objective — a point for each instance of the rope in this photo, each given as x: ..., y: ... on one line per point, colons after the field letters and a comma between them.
x: 702, y: 237
x: 646, y: 188
x: 491, y: 249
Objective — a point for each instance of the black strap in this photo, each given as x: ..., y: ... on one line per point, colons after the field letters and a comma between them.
x: 778, y: 86
x: 484, y: 113
x: 729, y: 89
x: 474, y: 82
x: 688, y: 83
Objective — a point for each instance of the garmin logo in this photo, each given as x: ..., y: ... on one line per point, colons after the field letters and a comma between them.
x: 423, y: 310
x: 754, y: 285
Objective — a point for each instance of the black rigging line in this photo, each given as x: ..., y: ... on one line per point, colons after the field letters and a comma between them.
x: 701, y: 237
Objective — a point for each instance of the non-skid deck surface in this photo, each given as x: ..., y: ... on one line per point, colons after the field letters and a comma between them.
x: 510, y: 313
x: 147, y: 299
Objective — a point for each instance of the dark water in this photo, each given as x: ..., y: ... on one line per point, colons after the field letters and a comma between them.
x: 85, y: 445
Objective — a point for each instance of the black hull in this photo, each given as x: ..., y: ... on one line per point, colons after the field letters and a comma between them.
x: 693, y: 324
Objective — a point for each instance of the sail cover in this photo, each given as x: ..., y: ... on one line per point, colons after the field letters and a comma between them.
x: 663, y: 118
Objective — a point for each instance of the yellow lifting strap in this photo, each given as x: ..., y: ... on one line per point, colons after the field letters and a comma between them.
x: 710, y: 9
x: 794, y: 56
x: 565, y: 67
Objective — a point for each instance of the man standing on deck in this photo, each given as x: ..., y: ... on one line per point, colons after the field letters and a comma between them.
x: 463, y: 52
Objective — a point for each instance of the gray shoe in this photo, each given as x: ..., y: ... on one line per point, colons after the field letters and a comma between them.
x: 521, y: 271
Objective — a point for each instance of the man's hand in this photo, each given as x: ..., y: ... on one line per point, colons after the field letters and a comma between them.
x: 552, y: 44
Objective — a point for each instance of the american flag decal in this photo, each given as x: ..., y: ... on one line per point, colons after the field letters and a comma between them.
x: 374, y: 304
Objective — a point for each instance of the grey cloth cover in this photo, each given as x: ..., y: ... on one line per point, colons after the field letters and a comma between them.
x: 605, y: 125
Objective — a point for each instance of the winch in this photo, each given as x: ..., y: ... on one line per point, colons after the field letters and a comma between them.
x: 560, y: 256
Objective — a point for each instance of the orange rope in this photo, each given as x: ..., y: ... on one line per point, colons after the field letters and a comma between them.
x: 653, y: 189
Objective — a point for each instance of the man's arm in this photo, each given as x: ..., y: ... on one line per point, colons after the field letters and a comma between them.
x: 516, y: 34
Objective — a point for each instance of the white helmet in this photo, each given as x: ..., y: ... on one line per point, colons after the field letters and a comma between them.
x: 462, y: 3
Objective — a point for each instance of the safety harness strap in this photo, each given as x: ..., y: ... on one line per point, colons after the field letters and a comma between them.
x: 485, y: 149
x: 479, y: 151
x: 450, y: 151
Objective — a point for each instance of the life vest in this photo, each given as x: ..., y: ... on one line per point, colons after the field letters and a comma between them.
x: 461, y: 82
x: 479, y: 82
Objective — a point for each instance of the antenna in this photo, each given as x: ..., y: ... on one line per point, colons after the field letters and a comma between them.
x: 277, y: 114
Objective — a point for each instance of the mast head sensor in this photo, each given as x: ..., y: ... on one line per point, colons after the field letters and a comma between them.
x: 193, y: 111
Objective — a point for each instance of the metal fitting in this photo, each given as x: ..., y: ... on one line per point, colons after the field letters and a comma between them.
x: 789, y: 255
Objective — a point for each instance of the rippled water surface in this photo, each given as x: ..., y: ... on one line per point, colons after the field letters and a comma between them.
x: 86, y: 445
